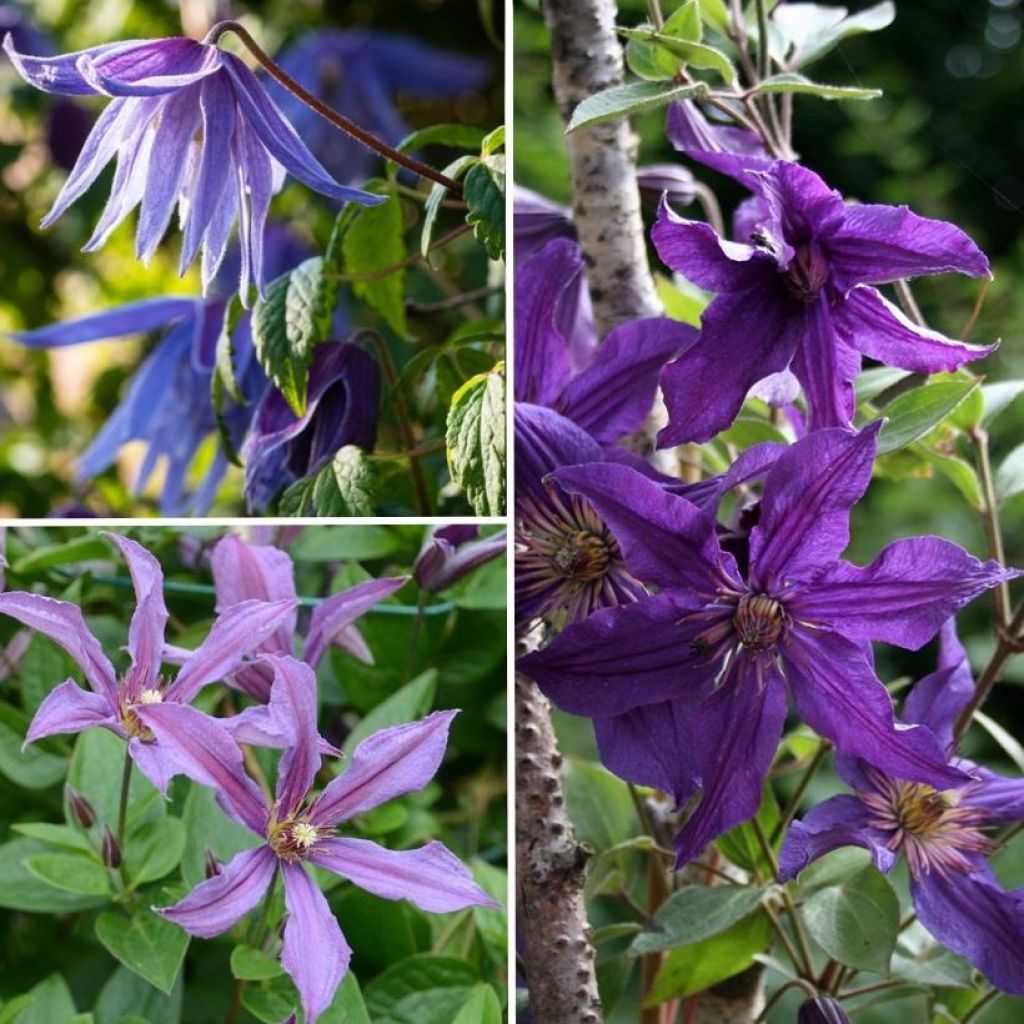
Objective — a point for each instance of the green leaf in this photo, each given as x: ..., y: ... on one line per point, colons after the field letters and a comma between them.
x: 958, y: 471
x: 651, y: 62
x: 912, y: 414
x: 64, y: 837
x: 347, y: 1006
x: 682, y: 300
x: 599, y: 805
x: 856, y: 923
x: 329, y: 544
x: 1010, y: 474
x: 696, y: 912
x: 808, y: 31
x: 412, y: 701
x: 126, y: 996
x: 871, y: 383
x: 347, y: 485
x: 999, y: 396
x: 146, y: 944
x: 70, y: 873
x: 697, y: 967
x: 224, y: 382
x: 458, y: 136
x: 373, y: 242
x: 833, y: 868
x: 794, y: 83
x: 493, y: 141
x: 484, y: 192
x: 632, y: 98
x: 50, y: 1002
x: 696, y: 54
x: 291, y: 321
x: 79, y: 549
x: 482, y: 1007
x: 1011, y: 746
x: 208, y: 827
x: 936, y: 966
x: 438, y: 193
x: 685, y: 23
x: 22, y: 890
x: 249, y: 964
x: 33, y: 768
x: 422, y: 988
x: 716, y: 15
x: 741, y: 844
x: 476, y: 441
x: 155, y: 850
x: 270, y: 1005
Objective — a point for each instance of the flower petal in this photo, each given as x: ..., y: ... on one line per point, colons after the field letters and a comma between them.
x: 69, y: 708
x: 432, y: 876
x: 293, y: 703
x: 149, y: 68
x: 544, y: 441
x: 59, y: 75
x: 335, y: 614
x: 837, y: 693
x: 387, y: 764
x: 1001, y: 798
x: 63, y: 623
x: 937, y: 700
x: 315, y: 952
x: 155, y: 761
x: 217, y: 904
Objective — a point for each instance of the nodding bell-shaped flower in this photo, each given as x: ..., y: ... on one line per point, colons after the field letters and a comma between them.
x: 821, y: 1010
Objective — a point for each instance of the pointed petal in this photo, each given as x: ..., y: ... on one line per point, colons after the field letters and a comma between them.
x: 339, y: 611
x: 258, y: 172
x: 132, y: 318
x: 146, y: 634
x: 236, y: 633
x: 904, y: 596
x: 293, y: 703
x: 839, y: 696
x: 387, y: 764
x: 544, y: 441
x: 614, y: 394
x: 664, y: 539
x: 825, y: 366
x: 432, y: 877
x: 155, y: 761
x: 69, y: 708
x: 315, y: 952
x: 58, y: 75
x: 150, y: 68
x: 871, y: 324
x: 877, y: 244
x: 975, y: 917
x: 621, y: 658
x: 736, y: 730
x: 839, y: 821
x: 63, y: 623
x: 205, y: 752
x: 219, y: 903
x: 1000, y: 797
x: 937, y: 700
x: 805, y: 512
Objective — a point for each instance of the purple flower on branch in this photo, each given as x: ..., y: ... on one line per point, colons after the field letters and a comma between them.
x: 114, y: 703
x: 190, y: 126
x: 688, y: 688
x: 801, y: 297
x: 297, y: 829
x: 941, y: 832
x: 450, y: 552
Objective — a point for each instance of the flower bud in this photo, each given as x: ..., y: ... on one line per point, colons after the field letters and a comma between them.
x: 213, y: 865
x: 822, y: 1010
x: 81, y: 810
x: 111, y: 849
x: 450, y: 552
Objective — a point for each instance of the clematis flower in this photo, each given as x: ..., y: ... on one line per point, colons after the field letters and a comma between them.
x: 802, y: 298
x: 190, y: 126
x: 360, y: 73
x: 688, y: 688
x: 692, y: 133
x: 298, y: 830
x: 450, y: 552
x: 114, y: 703
x: 939, y: 831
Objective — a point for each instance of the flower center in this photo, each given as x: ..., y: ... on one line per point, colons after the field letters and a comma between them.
x: 151, y: 697
x: 759, y: 621
x: 293, y: 840
x: 934, y: 829
x: 583, y: 555
x: 806, y: 274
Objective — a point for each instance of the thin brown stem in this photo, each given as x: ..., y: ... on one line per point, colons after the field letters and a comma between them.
x: 909, y: 303
x: 875, y: 986
x: 348, y: 126
x: 789, y: 812
x: 810, y: 990
x: 454, y: 301
x: 414, y: 257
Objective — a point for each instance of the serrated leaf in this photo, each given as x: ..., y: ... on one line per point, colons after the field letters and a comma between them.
x: 694, y: 913
x: 347, y: 485
x: 438, y: 193
x: 696, y: 54
x: 146, y: 944
x: 374, y: 242
x: 792, y: 82
x: 250, y: 964
x: 632, y: 98
x: 911, y: 415
x: 71, y: 873
x: 484, y: 193
x: 476, y: 441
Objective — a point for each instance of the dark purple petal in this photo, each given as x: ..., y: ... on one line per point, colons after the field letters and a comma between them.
x: 871, y: 324
x: 839, y: 821
x: 735, y: 731
x: 1001, y: 798
x: 975, y: 917
x: 663, y: 538
x: 614, y: 394
x: 673, y: 181
x: 337, y: 613
x: 937, y: 700
x: 69, y: 708
x: 690, y: 132
x: 444, y: 560
x: 904, y: 596
x: 544, y: 441
x: 220, y: 902
x: 839, y: 696
x: 315, y: 952
x: 432, y: 877
x: 621, y: 658
x: 541, y: 350
x: 387, y: 764
x: 149, y: 68
x: 826, y: 367
x: 63, y: 623
x: 878, y: 244
x: 805, y: 511
x: 236, y: 633
x: 206, y: 753
x: 536, y: 221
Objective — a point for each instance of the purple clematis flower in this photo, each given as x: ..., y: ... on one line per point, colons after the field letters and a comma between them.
x: 190, y: 125
x: 688, y: 688
x: 450, y: 552
x: 939, y: 831
x: 115, y: 703
x: 692, y: 133
x: 801, y: 298
x: 297, y: 830
x: 360, y: 73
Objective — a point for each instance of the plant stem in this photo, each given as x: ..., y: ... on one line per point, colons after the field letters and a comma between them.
x: 909, y: 303
x: 235, y: 1009
x: 990, y: 515
x: 413, y: 257
x: 875, y: 986
x: 810, y: 990
x: 654, y: 10
x: 793, y: 805
x: 122, y: 808
x: 763, y: 58
x: 454, y: 301
x: 787, y: 943
x: 417, y: 629
x: 975, y: 1010
x: 348, y: 126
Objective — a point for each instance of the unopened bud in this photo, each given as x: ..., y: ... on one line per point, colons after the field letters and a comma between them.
x: 822, y: 1010
x: 213, y: 865
x: 81, y: 810
x: 111, y: 849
